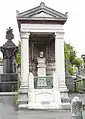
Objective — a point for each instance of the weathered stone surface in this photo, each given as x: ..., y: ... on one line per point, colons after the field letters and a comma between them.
x: 76, y: 108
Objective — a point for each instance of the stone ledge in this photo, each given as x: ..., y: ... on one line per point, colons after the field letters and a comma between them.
x: 66, y: 106
x: 23, y: 106
x: 63, y: 106
x: 8, y: 93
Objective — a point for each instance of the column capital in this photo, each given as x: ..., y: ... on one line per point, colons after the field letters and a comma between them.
x: 59, y: 35
x: 24, y: 35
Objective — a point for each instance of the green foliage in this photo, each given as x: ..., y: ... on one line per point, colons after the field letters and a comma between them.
x: 18, y: 56
x: 66, y: 52
x: 16, y: 96
x: 70, y: 69
x: 69, y: 52
x: 70, y: 55
x: 77, y: 61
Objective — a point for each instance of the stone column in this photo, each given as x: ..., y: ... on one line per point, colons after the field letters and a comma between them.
x: 23, y: 92
x: 60, y: 63
x: 24, y: 58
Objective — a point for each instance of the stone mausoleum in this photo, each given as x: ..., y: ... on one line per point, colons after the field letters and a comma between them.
x: 42, y: 58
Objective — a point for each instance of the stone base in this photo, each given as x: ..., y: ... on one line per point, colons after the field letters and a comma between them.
x: 64, y: 94
x: 66, y: 106
x: 44, y: 99
x: 10, y: 86
x: 22, y: 106
x: 22, y: 95
x: 62, y: 106
x: 50, y: 105
x: 8, y: 82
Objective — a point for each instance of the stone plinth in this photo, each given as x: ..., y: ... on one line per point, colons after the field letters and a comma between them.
x: 41, y: 71
x: 8, y: 82
x: 42, y: 98
x: 41, y: 67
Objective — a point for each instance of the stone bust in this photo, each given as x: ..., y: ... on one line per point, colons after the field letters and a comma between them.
x: 41, y: 58
x: 41, y: 54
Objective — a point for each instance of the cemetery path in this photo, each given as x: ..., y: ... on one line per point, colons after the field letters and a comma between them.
x: 8, y: 110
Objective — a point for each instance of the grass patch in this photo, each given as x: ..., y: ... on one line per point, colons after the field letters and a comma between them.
x: 15, y: 102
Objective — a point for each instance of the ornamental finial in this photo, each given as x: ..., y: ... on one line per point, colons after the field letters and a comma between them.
x: 9, y: 34
x: 42, y: 4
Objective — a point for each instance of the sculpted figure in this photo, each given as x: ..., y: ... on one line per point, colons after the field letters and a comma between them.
x: 41, y: 54
x: 41, y: 58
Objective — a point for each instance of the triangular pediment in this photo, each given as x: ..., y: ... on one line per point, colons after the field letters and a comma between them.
x: 41, y: 12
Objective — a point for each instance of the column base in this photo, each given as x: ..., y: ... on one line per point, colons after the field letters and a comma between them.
x: 64, y: 94
x: 65, y: 100
x: 22, y: 96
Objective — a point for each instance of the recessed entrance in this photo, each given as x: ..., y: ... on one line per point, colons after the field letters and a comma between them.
x: 44, y: 42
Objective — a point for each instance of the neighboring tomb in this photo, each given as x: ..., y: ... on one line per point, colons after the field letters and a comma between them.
x: 9, y: 76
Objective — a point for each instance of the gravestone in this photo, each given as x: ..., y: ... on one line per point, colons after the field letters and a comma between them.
x: 76, y: 108
x: 9, y: 76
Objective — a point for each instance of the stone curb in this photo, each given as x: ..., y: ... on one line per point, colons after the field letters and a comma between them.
x: 8, y: 93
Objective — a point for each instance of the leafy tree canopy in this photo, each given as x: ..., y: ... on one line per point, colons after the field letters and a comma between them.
x: 77, y: 61
x: 70, y: 55
x: 69, y: 52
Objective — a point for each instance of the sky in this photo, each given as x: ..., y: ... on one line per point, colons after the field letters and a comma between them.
x: 74, y: 27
